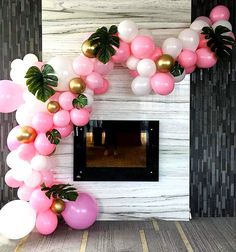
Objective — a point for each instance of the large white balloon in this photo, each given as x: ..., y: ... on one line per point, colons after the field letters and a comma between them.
x: 30, y: 59
x: 40, y: 163
x: 146, y: 67
x: 141, y: 85
x: 21, y: 171
x: 172, y: 46
x: 17, y: 219
x: 190, y: 39
x: 223, y: 23
x: 197, y: 25
x: 128, y: 30
x: 132, y: 63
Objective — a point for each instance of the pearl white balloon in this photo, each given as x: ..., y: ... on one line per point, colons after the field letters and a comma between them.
x: 17, y: 75
x: 17, y: 219
x: 34, y: 179
x: 64, y: 72
x: 197, y: 25
x: 180, y: 77
x: 40, y: 163
x: 22, y: 170
x: 223, y: 23
x: 146, y: 67
x: 141, y: 85
x: 16, y: 63
x: 145, y: 32
x: 172, y: 46
x: 30, y: 59
x: 12, y: 159
x: 190, y: 39
x: 128, y: 30
x: 132, y: 63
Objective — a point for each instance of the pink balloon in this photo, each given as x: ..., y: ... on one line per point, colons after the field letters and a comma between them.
x: 47, y: 178
x: 83, y: 65
x: 42, y: 122
x: 61, y: 118
x: 103, y: 69
x: 205, y: 19
x: 220, y: 12
x: 12, y: 142
x: 38, y: 64
x: 205, y: 58
x: 187, y: 58
x: 202, y: 42
x: 26, y: 151
x: 46, y: 222
x: 122, y: 53
x: 94, y: 80
x: 43, y: 146
x: 55, y: 97
x: 142, y: 47
x: 11, y: 182
x: 189, y: 70
x: 11, y: 96
x: 157, y: 54
x: 65, y: 131
x: 103, y: 89
x: 79, y: 117
x: 82, y: 213
x: 162, y: 83
x: 65, y: 100
x: 24, y: 192
x: 133, y: 73
x: 39, y: 201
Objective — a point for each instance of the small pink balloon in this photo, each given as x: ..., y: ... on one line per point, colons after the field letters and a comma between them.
x: 157, y: 54
x: 162, y: 83
x: 65, y: 131
x: 190, y: 70
x: 202, y: 41
x: 61, y: 118
x: 133, y: 73
x: 205, y: 19
x: 12, y: 142
x: 122, y: 53
x: 65, y: 100
x: 11, y: 182
x: 103, y: 89
x: 187, y: 58
x: 79, y: 117
x: 43, y: 146
x: 26, y: 151
x: 47, y: 178
x: 24, y: 192
x: 39, y: 201
x: 46, y: 222
x: 83, y: 65
x: 103, y: 69
x: 11, y: 96
x: 82, y: 213
x: 205, y: 58
x: 220, y: 12
x: 142, y: 47
x: 42, y: 122
x: 94, y: 80
x: 55, y: 97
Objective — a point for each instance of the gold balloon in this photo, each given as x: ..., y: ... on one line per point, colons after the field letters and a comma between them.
x: 26, y: 134
x: 53, y: 106
x: 77, y: 86
x: 88, y: 50
x: 58, y: 206
x: 165, y: 63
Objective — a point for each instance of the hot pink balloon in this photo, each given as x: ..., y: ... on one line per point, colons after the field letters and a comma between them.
x: 12, y: 142
x: 133, y: 73
x: 162, y: 83
x: 187, y: 58
x: 11, y: 96
x: 26, y: 151
x: 46, y: 222
x: 82, y: 213
x: 39, y: 201
x: 205, y: 19
x: 220, y: 12
x: 47, y: 178
x: 142, y: 47
x: 103, y: 89
x: 189, y: 70
x: 79, y: 117
x: 11, y: 182
x: 42, y: 122
x: 24, y: 192
x: 94, y: 80
x: 83, y: 65
x: 43, y: 146
x: 157, y: 54
x: 202, y: 42
x: 61, y: 118
x: 65, y: 131
x: 103, y: 69
x: 65, y: 100
x: 122, y: 53
x: 205, y: 58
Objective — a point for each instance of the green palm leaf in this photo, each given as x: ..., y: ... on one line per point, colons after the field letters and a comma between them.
x: 53, y: 136
x: 80, y: 102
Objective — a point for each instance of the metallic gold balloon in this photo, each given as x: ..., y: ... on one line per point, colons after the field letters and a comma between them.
x: 26, y: 134
x: 53, y: 106
x: 88, y: 50
x: 165, y: 63
x: 58, y: 206
x: 77, y: 86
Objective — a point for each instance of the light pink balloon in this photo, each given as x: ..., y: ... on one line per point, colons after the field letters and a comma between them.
x: 38, y: 64
x: 65, y: 100
x: 162, y: 83
x: 42, y: 122
x: 83, y: 65
x: 26, y: 151
x: 34, y: 179
x: 11, y: 182
x: 11, y: 96
x: 142, y: 47
x: 61, y: 118
x: 79, y: 117
x: 189, y: 70
x: 43, y: 146
x: 202, y: 42
x: 122, y: 53
x: 103, y: 69
x: 133, y: 73
x: 12, y: 142
x: 205, y: 19
x: 220, y: 12
x: 46, y: 222
x: 94, y: 80
x: 39, y: 201
x: 103, y: 89
x: 55, y: 97
x: 65, y: 131
x: 187, y: 58
x: 205, y: 58
x: 47, y: 178
x: 24, y: 192
x: 157, y: 54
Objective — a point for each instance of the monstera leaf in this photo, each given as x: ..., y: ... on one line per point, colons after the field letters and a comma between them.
x: 177, y: 70
x: 80, y: 102
x: 53, y: 136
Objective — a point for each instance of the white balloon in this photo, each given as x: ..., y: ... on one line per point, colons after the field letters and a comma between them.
x: 40, y: 163
x: 197, y: 25
x: 132, y: 63
x: 21, y: 171
x: 17, y: 75
x: 146, y: 67
x: 64, y: 72
x: 145, y: 32
x: 190, y: 39
x: 128, y: 30
x: 180, y: 77
x: 30, y: 59
x: 141, y: 85
x: 172, y: 46
x: 24, y: 115
x: 17, y: 219
x: 12, y: 159
x: 223, y: 23
x: 16, y: 63
x: 34, y: 179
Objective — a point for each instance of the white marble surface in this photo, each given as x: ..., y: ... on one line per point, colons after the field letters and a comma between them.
x: 65, y: 23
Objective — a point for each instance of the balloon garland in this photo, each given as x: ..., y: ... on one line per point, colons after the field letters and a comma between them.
x: 50, y: 98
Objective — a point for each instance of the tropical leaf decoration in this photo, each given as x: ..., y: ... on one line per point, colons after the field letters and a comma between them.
x: 60, y: 191
x: 80, y: 102
x: 104, y: 40
x: 53, y: 136
x: 219, y: 43
x: 177, y: 70
x: 40, y: 82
